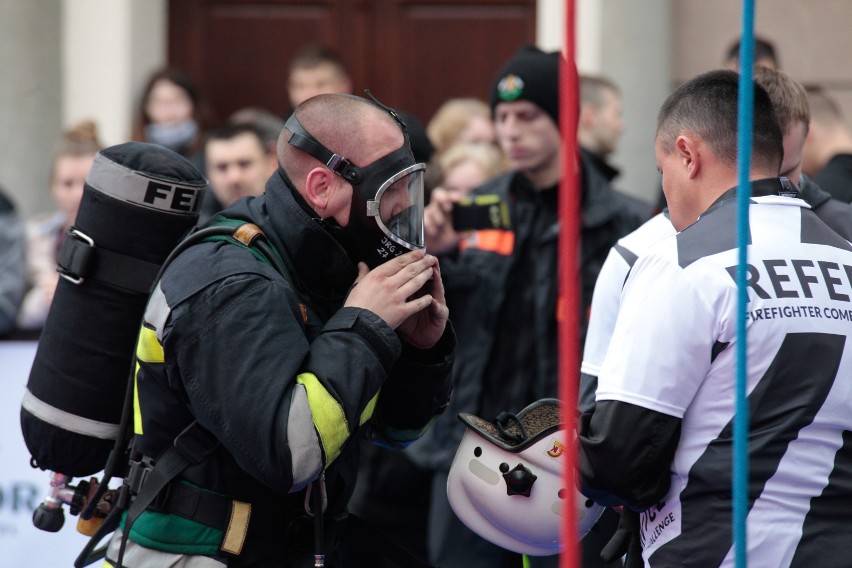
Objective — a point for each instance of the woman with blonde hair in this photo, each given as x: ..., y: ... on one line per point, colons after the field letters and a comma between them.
x: 45, y: 233
x: 460, y: 120
x: 468, y: 165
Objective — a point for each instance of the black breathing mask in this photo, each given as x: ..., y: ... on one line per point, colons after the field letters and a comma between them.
x: 386, y: 216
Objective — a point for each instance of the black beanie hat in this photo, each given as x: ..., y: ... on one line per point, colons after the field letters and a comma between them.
x: 530, y: 75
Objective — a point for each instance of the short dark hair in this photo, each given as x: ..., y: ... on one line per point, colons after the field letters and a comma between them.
x: 763, y: 49
x: 313, y: 55
x: 788, y: 97
x: 593, y: 87
x: 707, y: 106
x: 265, y: 121
x: 229, y: 131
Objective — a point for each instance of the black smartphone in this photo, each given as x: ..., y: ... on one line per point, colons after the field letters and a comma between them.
x: 478, y: 212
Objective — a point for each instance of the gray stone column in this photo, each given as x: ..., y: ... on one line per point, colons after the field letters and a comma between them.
x: 30, y: 98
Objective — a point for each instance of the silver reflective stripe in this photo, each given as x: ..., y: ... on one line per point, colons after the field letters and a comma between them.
x: 136, y: 556
x: 135, y: 187
x: 305, y: 452
x: 68, y: 421
x: 157, y: 311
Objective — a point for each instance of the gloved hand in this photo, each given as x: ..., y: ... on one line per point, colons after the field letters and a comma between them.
x: 625, y: 541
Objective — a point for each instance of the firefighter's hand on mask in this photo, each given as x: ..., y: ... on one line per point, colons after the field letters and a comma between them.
x: 391, y: 292
x: 424, y: 328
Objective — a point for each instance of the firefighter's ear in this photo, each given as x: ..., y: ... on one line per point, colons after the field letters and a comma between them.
x: 328, y: 194
x: 317, y: 184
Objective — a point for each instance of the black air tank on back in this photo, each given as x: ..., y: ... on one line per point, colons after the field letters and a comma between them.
x: 139, y: 200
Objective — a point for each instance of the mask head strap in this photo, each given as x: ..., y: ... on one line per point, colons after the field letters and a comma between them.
x: 302, y: 139
x: 389, y: 110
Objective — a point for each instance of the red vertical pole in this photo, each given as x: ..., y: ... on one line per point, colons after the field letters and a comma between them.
x: 569, y: 286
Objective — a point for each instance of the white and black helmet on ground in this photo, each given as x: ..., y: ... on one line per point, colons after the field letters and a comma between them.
x: 506, y: 484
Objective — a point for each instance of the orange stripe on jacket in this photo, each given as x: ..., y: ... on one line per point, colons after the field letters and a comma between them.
x: 492, y: 240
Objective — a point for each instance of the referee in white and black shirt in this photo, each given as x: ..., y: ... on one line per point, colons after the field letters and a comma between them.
x: 659, y: 438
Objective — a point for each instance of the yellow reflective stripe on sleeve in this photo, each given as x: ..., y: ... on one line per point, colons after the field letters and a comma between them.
x: 137, y: 411
x: 368, y: 410
x: 327, y: 415
x: 148, y: 348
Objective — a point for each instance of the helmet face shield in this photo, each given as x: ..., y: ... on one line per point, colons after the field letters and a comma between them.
x: 398, y: 207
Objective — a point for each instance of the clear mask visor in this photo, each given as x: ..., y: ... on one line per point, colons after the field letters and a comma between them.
x: 398, y: 207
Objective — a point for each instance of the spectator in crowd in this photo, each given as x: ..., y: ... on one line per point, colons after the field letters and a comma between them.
x: 828, y: 149
x: 764, y: 54
x: 172, y: 113
x: 266, y: 121
x: 468, y: 165
x: 13, y: 278
x: 600, y: 125
x: 316, y: 70
x: 460, y: 169
x: 238, y: 164
x: 46, y: 233
x: 458, y: 121
x: 599, y: 130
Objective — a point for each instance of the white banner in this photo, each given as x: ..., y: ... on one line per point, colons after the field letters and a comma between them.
x: 23, y: 488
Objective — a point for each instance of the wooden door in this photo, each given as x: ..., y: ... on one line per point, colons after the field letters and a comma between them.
x: 413, y: 54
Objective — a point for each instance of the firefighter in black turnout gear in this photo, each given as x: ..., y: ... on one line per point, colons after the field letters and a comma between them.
x: 266, y: 367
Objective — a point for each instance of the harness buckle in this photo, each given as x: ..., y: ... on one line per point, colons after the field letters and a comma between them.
x: 137, y: 473
x: 75, y: 257
x: 334, y: 163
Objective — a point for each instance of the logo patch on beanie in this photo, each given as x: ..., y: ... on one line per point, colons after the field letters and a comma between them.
x: 510, y: 87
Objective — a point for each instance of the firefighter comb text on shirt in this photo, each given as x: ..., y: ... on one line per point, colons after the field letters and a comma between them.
x: 798, y: 279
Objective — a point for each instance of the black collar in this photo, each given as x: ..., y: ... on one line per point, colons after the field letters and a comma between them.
x: 759, y: 188
x: 319, y: 265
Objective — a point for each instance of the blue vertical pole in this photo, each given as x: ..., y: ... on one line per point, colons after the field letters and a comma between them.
x: 745, y: 120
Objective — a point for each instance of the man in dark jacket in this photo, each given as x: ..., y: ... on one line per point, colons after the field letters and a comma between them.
x: 502, y: 286
x: 285, y: 363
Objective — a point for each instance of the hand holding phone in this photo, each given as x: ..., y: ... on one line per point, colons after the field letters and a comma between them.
x: 478, y: 212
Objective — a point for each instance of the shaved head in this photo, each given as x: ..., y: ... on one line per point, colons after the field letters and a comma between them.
x: 349, y: 126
